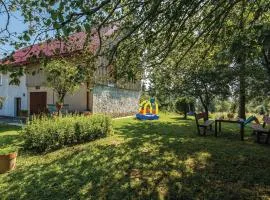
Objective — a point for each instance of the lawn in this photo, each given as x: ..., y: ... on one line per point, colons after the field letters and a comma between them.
x: 162, y: 159
x: 8, y: 137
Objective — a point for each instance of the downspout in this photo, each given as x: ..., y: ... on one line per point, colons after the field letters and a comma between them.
x: 87, y: 96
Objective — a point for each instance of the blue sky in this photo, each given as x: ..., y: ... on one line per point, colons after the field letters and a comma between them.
x: 16, y: 25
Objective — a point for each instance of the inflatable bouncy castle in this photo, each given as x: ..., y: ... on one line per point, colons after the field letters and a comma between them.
x: 148, y: 110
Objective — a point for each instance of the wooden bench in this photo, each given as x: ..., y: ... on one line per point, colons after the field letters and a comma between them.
x: 206, y: 123
x: 260, y: 130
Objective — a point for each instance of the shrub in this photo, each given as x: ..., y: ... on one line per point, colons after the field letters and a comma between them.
x: 45, y: 134
x: 223, y: 106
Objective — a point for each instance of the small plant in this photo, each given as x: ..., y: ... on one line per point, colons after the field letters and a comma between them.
x: 8, y: 157
x: 2, y: 100
x: 45, y: 134
x: 23, y: 113
x: 8, y: 150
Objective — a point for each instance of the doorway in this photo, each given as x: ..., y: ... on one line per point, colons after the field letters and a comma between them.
x: 38, y: 102
x: 18, y: 106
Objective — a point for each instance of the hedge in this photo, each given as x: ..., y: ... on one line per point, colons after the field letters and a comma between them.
x: 46, y: 134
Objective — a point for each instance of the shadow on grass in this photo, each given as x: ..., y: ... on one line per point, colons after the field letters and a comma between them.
x: 181, y: 118
x: 9, y: 136
x: 145, y: 160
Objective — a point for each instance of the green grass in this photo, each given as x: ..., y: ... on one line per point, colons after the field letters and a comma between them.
x: 162, y: 159
x: 9, y: 139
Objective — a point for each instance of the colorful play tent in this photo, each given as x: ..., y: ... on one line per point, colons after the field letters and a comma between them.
x: 148, y: 110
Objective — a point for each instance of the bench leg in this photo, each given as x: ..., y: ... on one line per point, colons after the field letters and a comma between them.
x: 216, y: 128
x: 199, y: 131
x: 267, y: 139
x: 211, y: 128
x: 204, y: 131
x: 258, y: 137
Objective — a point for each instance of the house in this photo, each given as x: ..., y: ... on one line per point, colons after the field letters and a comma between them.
x: 34, y: 96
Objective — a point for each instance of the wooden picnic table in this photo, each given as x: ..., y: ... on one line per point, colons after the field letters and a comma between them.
x: 219, y: 121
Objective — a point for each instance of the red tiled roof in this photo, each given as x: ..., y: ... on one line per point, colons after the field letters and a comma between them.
x: 52, y: 48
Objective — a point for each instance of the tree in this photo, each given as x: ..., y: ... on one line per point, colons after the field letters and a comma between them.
x: 63, y: 77
x: 154, y: 30
x: 157, y: 25
x: 264, y: 38
x: 201, y: 76
x: 5, y: 34
x: 183, y: 104
x: 204, y: 84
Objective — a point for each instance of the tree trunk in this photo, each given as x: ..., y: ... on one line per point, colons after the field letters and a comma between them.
x: 266, y: 56
x: 241, y: 58
x: 242, y: 86
x: 59, y: 106
x: 205, y: 106
x: 206, y: 111
x: 60, y: 102
x: 185, y: 114
x: 242, y: 94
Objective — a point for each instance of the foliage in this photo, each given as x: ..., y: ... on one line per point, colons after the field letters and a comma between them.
x: 45, y: 134
x: 163, y: 159
x: 205, y: 81
x: 226, y: 61
x: 63, y: 77
x: 149, y: 29
x: 223, y: 106
x: 150, y: 34
x: 259, y: 105
x: 144, y: 97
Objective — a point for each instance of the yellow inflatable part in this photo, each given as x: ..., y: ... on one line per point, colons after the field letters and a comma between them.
x: 145, y: 107
x: 141, y: 106
x: 145, y: 104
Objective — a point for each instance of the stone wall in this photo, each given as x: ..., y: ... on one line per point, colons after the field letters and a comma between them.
x: 115, y: 101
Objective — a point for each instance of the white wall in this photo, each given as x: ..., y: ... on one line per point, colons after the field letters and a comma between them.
x: 10, y: 92
x: 35, y: 77
x: 76, y: 101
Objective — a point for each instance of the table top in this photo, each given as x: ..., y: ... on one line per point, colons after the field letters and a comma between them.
x: 229, y: 120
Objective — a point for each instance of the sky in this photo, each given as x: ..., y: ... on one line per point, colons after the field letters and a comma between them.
x: 16, y: 25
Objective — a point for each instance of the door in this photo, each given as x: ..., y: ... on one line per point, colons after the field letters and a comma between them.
x: 18, y: 106
x: 38, y: 102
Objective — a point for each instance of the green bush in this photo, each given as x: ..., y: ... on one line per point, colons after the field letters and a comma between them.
x: 45, y: 134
